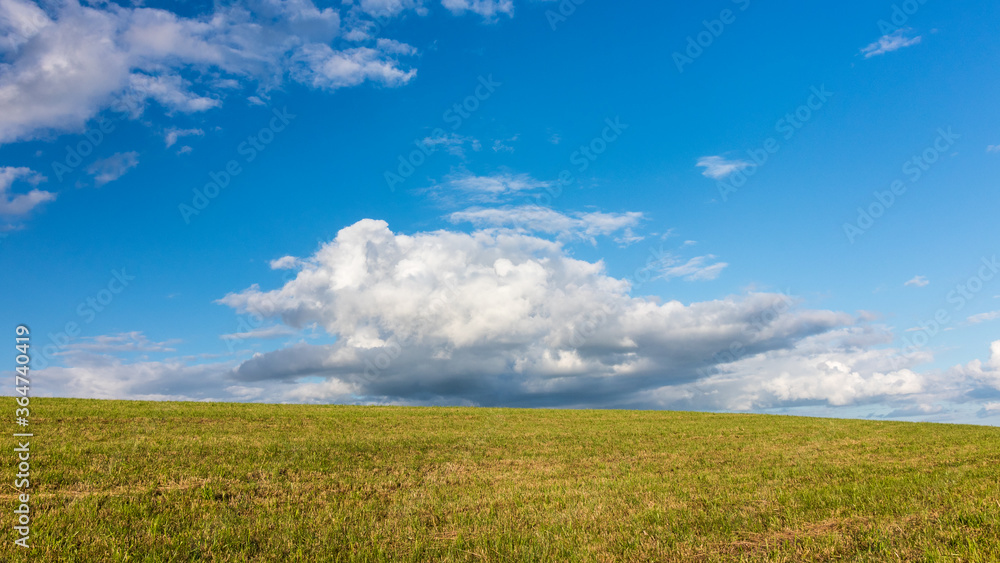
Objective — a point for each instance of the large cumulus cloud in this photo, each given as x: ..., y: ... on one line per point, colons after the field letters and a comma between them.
x: 507, y: 318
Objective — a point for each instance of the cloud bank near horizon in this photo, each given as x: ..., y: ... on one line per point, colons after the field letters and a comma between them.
x: 505, y: 318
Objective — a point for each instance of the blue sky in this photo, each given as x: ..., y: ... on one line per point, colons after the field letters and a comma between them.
x: 507, y: 203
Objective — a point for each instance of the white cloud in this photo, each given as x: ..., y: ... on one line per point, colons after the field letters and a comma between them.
x: 919, y: 410
x: 61, y: 72
x: 20, y: 204
x: 453, y: 143
x: 366, y: 20
x: 285, y: 263
x: 991, y: 409
x: 263, y: 333
x: 172, y: 135
x: 171, y: 91
x: 505, y: 318
x: 113, y: 167
x: 500, y: 318
x: 500, y: 145
x: 393, y: 47
x: 489, y: 9
x: 388, y: 7
x: 135, y: 341
x: 717, y: 167
x: 839, y: 383
x: 917, y: 281
x: 19, y: 21
x: 984, y: 373
x: 384, y: 9
x: 101, y: 376
x: 698, y: 268
x: 323, y: 67
x: 468, y: 187
x: 838, y: 367
x: 67, y: 65
x: 538, y: 219
x: 983, y: 317
x: 890, y: 42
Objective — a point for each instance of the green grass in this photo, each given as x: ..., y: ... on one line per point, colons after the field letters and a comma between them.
x: 139, y: 481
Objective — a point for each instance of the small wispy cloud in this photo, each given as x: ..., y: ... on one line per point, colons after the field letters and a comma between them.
x: 113, y: 167
x: 699, y: 268
x: 134, y: 341
x: 395, y: 47
x: 172, y: 135
x: 538, y: 219
x: 890, y: 42
x: 917, y: 281
x: 501, y: 145
x: 983, y: 317
x: 263, y: 333
x: 993, y: 148
x: 486, y: 189
x: 285, y: 263
x: 717, y: 167
x: 488, y: 9
x: 21, y: 204
x: 990, y: 409
x: 453, y: 143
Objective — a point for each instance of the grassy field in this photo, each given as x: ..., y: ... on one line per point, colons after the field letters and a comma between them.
x: 131, y: 481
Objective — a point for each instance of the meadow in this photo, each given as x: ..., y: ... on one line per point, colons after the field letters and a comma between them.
x: 158, y: 481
